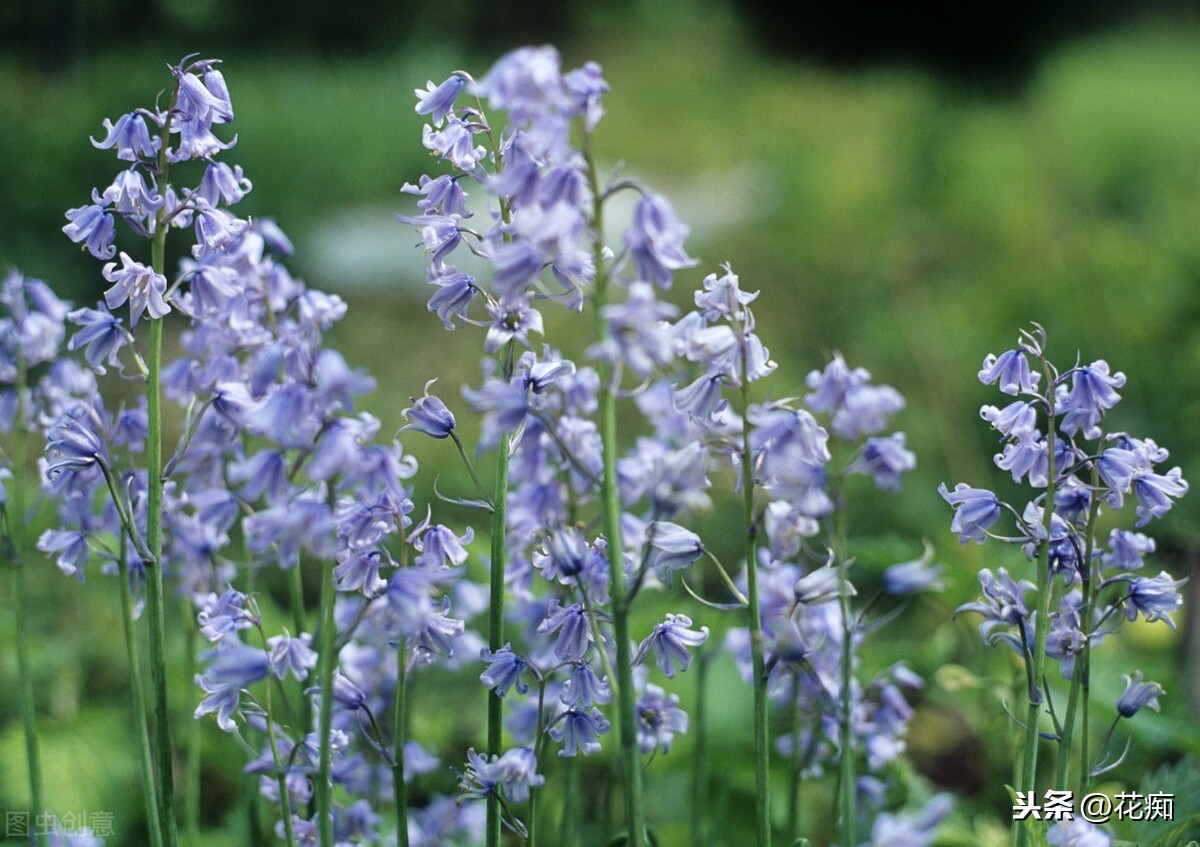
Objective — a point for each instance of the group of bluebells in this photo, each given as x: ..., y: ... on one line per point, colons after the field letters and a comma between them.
x: 274, y: 469
x: 1082, y: 478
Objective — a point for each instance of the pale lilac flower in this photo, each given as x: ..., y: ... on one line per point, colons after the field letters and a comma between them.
x: 429, y: 415
x: 670, y: 642
x: 438, y: 100
x: 140, y: 285
x: 1138, y: 695
x: 658, y: 719
x: 1010, y: 370
x: 975, y: 510
x: 131, y: 138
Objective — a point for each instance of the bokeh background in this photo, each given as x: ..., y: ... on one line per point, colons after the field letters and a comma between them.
x: 908, y: 185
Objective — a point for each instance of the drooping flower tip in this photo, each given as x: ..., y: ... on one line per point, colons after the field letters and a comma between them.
x: 1138, y: 695
x: 429, y: 415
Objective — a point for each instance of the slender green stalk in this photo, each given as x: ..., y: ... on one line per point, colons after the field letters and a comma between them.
x: 762, y: 740
x: 399, y: 786
x: 495, y: 710
x: 700, y: 767
x: 327, y: 663
x: 1080, y: 669
x: 568, y: 827
x: 846, y: 770
x: 16, y: 523
x: 631, y: 763
x: 285, y: 798
x: 1028, y: 780
x: 137, y: 693
x: 1085, y: 752
x: 154, y: 530
x: 531, y: 833
x: 296, y: 599
x: 793, y: 818
x: 191, y: 793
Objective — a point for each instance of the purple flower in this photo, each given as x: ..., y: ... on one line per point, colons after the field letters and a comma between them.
x: 512, y: 320
x: 294, y: 655
x: 1090, y: 396
x: 69, y: 548
x: 429, y: 415
x: 1154, y: 493
x: 884, y: 459
x: 131, y: 138
x: 140, y: 285
x: 975, y: 509
x: 571, y: 624
x: 1077, y: 833
x: 655, y: 241
x: 1138, y: 695
x: 131, y: 197
x: 438, y: 101
x: 456, y: 291
x: 93, y: 225
x: 1010, y: 371
x: 910, y: 830
x: 821, y: 585
x: 583, y: 688
x: 579, y: 731
x: 101, y: 336
x: 672, y: 547
x: 504, y: 671
x: 514, y: 773
x: 1003, y: 602
x: 1155, y: 597
x: 1126, y: 549
x: 658, y: 719
x: 232, y: 668
x: 439, y: 547
x: 586, y: 86
x: 73, y: 447
x: 455, y: 144
x: 222, y: 182
x: 915, y: 576
x: 670, y: 642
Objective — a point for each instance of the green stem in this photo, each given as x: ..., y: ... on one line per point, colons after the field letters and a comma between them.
x: 568, y: 829
x: 1085, y: 758
x: 191, y: 794
x: 154, y: 530
x: 762, y: 740
x: 328, y: 663
x: 793, y: 818
x: 846, y: 772
x: 626, y: 701
x: 495, y: 710
x: 399, y: 787
x: 296, y: 599
x: 700, y: 767
x: 137, y: 692
x: 16, y: 521
x: 285, y: 799
x: 1033, y: 713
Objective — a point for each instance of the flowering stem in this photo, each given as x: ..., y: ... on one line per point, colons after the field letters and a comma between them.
x: 16, y: 523
x: 762, y: 741
x: 191, y: 794
x: 399, y: 787
x: 285, y: 799
x: 846, y: 762
x: 626, y: 701
x: 1079, y: 672
x: 1029, y: 762
x: 700, y: 768
x: 154, y: 529
x: 328, y: 662
x: 470, y: 465
x: 137, y: 692
x: 495, y: 712
x: 793, y: 817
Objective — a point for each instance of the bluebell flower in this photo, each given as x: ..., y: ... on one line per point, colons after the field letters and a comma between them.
x: 292, y: 655
x: 504, y: 671
x: 512, y: 773
x: 441, y: 195
x: 131, y: 197
x: 638, y: 335
x: 130, y: 136
x: 1091, y: 394
x: 915, y: 576
x: 722, y: 297
x: 910, y: 830
x: 1003, y: 603
x: 222, y: 182
x: 437, y: 101
x: 586, y: 86
x: 670, y: 642
x: 579, y: 731
x: 1154, y: 492
x: 428, y: 414
x: 1010, y: 371
x: 1017, y: 420
x: 672, y: 548
x: 1138, y: 695
x: 975, y: 510
x: 655, y: 241
x: 222, y: 615
x: 1155, y: 597
x: 821, y: 585
x: 582, y: 689
x: 69, y: 548
x: 439, y: 547
x: 571, y: 624
x: 72, y: 447
x: 102, y: 336
x: 138, y: 284
x: 567, y: 552
x: 231, y: 669
x: 216, y: 231
x: 885, y: 459
x: 527, y: 83
x: 659, y: 718
x: 1126, y: 549
x: 454, y: 143
x: 512, y: 320
x: 455, y: 293
x: 358, y: 570
x: 92, y: 226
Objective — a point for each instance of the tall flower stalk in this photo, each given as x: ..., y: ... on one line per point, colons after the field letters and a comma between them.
x: 1056, y: 439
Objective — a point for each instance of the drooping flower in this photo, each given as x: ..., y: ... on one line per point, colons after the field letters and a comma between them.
x: 138, y: 284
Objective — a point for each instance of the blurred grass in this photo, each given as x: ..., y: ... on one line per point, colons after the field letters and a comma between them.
x: 911, y: 224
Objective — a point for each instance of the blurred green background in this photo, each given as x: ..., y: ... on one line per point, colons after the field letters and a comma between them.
x: 907, y: 198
